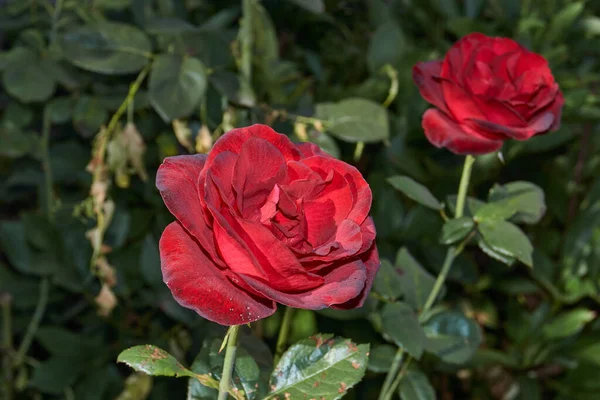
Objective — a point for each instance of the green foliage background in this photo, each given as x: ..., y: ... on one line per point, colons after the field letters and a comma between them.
x: 336, y: 72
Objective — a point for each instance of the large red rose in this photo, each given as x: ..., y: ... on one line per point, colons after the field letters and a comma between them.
x: 262, y: 221
x: 487, y: 90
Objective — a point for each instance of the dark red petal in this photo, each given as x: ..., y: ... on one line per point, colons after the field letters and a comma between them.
x: 426, y: 75
x: 235, y: 139
x: 220, y: 177
x: 462, y: 105
x: 540, y: 124
x: 556, y: 109
x: 458, y: 56
x: 310, y: 149
x: 361, y: 192
x: 502, y: 45
x: 441, y: 131
x: 372, y: 263
x: 347, y: 240
x: 250, y: 249
x: 320, y: 222
x: 177, y: 181
x: 258, y: 168
x: 367, y: 237
x: 343, y: 283
x: 197, y: 283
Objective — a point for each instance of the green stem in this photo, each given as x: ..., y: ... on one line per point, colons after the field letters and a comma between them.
x: 398, y: 379
x: 230, y: 351
x: 451, y: 254
x: 46, y: 166
x: 32, y: 328
x: 441, y: 278
x: 394, y: 368
x: 284, y: 331
x: 463, y: 186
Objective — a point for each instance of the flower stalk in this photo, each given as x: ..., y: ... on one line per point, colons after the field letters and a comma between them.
x: 400, y: 363
x: 284, y: 331
x: 230, y: 351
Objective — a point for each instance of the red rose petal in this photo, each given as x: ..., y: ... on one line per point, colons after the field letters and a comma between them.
x: 426, y: 76
x: 342, y: 284
x: 250, y: 245
x: 310, y: 149
x: 177, y: 181
x: 361, y: 192
x: 539, y: 124
x: 371, y: 261
x: 258, y: 168
x: 235, y: 139
x: 197, y: 283
x: 441, y: 131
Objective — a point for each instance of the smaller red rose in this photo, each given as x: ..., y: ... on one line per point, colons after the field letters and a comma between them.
x: 487, y: 90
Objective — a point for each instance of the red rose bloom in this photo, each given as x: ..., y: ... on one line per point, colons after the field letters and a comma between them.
x: 487, y: 90
x: 262, y: 221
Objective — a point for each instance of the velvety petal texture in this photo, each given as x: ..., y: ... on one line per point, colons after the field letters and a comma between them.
x: 487, y: 90
x: 260, y: 221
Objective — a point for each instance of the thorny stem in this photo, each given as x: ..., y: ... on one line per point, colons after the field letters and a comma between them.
x: 388, y: 390
x: 229, y: 363
x: 284, y: 331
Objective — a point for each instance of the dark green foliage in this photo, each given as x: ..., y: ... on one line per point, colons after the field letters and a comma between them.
x: 333, y: 72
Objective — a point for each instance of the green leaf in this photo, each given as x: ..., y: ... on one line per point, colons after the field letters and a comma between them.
x: 507, y: 240
x: 415, y: 282
x: 14, y: 245
x: 319, y: 367
x: 16, y: 143
x: 153, y: 361
x: 387, y: 282
x: 63, y: 343
x: 386, y: 46
x: 455, y: 230
x: 112, y: 4
x: 517, y: 201
x: 176, y: 85
x: 355, y: 120
x: 325, y: 142
x: 452, y: 336
x: 168, y: 26
x: 563, y: 20
x: 568, y: 323
x: 401, y: 324
x: 89, y: 115
x: 381, y: 357
x: 472, y: 205
x: 61, y: 109
x: 107, y: 47
x: 487, y: 249
x: 415, y: 385
x: 57, y: 373
x: 314, y: 6
x: 230, y: 85
x: 415, y: 191
x: 25, y: 79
